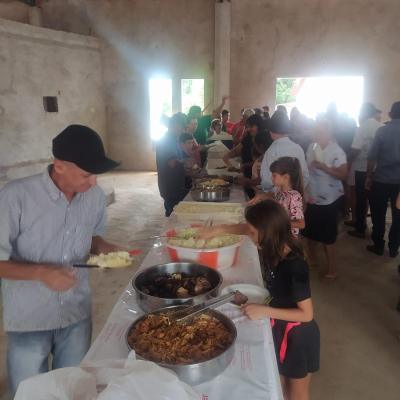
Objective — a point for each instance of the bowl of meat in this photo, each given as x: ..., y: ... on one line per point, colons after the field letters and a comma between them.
x: 198, y: 349
x: 174, y: 284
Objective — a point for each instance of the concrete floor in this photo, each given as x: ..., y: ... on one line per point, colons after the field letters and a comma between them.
x: 360, y: 347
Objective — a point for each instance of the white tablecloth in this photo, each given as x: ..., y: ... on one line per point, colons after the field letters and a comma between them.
x: 253, y: 372
x: 215, y: 162
x: 217, y: 150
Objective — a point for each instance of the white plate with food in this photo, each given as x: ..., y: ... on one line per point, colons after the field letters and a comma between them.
x: 115, y: 259
x: 254, y: 293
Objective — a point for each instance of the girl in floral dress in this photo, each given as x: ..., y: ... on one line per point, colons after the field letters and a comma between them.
x: 288, y: 190
x: 288, y: 182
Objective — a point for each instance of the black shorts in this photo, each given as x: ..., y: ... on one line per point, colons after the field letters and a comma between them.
x: 322, y: 222
x: 303, y: 349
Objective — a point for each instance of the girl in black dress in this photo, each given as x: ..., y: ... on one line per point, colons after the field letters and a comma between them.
x: 296, y: 334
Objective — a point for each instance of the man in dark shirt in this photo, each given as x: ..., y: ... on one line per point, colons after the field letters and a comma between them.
x: 383, y: 181
x: 190, y: 164
x: 171, y: 173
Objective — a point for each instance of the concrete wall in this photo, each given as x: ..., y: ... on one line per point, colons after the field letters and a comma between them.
x: 269, y: 38
x: 14, y: 10
x: 66, y: 15
x: 275, y: 38
x: 143, y: 38
x: 61, y: 15
x: 37, y: 62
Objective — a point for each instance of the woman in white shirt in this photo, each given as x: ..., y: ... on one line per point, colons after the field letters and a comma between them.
x: 328, y: 168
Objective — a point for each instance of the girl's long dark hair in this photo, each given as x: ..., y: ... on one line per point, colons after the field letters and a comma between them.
x: 290, y: 166
x: 274, y: 232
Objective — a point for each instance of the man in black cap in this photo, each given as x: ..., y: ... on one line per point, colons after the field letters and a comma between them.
x: 383, y: 181
x: 48, y: 223
x: 282, y: 146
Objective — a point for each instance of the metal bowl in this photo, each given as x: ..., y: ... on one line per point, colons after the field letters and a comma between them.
x: 202, y: 183
x: 219, y: 194
x: 196, y: 373
x: 150, y: 303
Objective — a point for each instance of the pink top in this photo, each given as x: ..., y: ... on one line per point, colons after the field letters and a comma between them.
x: 292, y: 202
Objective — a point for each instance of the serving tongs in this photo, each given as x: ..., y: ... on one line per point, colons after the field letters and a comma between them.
x: 189, y: 312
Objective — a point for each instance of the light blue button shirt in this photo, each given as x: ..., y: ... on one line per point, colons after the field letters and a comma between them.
x: 39, y: 225
x: 283, y: 147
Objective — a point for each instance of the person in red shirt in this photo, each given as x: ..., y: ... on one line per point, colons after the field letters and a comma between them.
x: 240, y: 127
x: 227, y: 125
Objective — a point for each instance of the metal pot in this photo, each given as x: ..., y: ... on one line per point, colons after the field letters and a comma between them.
x: 196, y: 373
x: 202, y: 182
x: 215, y: 195
x: 150, y: 303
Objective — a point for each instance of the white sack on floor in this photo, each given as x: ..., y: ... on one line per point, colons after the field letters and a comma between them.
x: 61, y: 384
x: 115, y: 379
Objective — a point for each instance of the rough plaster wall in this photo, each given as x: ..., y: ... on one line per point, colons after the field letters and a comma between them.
x: 60, y: 15
x: 142, y: 38
x: 272, y: 38
x: 14, y: 10
x: 37, y: 62
x: 66, y: 15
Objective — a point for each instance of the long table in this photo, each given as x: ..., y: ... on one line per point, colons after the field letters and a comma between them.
x: 253, y: 372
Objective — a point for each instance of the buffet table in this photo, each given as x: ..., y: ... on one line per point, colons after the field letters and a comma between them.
x: 215, y: 164
x: 253, y: 372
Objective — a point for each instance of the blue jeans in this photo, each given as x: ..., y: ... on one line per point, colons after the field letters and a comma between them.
x: 28, y: 352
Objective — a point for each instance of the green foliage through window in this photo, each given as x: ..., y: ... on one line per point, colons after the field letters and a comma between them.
x: 284, y: 89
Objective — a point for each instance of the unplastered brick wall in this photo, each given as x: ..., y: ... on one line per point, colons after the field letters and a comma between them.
x: 34, y: 63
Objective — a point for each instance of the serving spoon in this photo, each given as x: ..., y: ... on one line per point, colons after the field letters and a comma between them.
x: 236, y: 297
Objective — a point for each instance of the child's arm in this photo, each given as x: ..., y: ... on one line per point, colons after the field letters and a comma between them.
x: 260, y: 196
x: 299, y: 224
x: 296, y: 212
x: 235, y: 152
x: 303, y: 313
x: 339, y: 172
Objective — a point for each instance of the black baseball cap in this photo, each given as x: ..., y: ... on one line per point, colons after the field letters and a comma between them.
x: 82, y: 146
x: 280, y: 123
x: 395, y: 110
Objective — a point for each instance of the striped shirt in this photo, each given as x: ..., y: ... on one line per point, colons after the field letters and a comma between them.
x: 39, y: 225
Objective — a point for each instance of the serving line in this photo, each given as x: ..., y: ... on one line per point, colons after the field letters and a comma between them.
x: 253, y: 372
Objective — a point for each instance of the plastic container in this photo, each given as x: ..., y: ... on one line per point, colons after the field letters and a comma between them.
x: 219, y: 258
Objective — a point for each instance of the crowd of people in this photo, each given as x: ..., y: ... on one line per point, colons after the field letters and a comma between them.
x: 345, y: 168
x: 300, y: 176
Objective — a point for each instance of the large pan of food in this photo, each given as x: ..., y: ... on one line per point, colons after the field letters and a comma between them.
x: 197, y: 350
x: 217, y: 194
x: 211, y: 183
x: 175, y: 284
x: 218, y: 252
